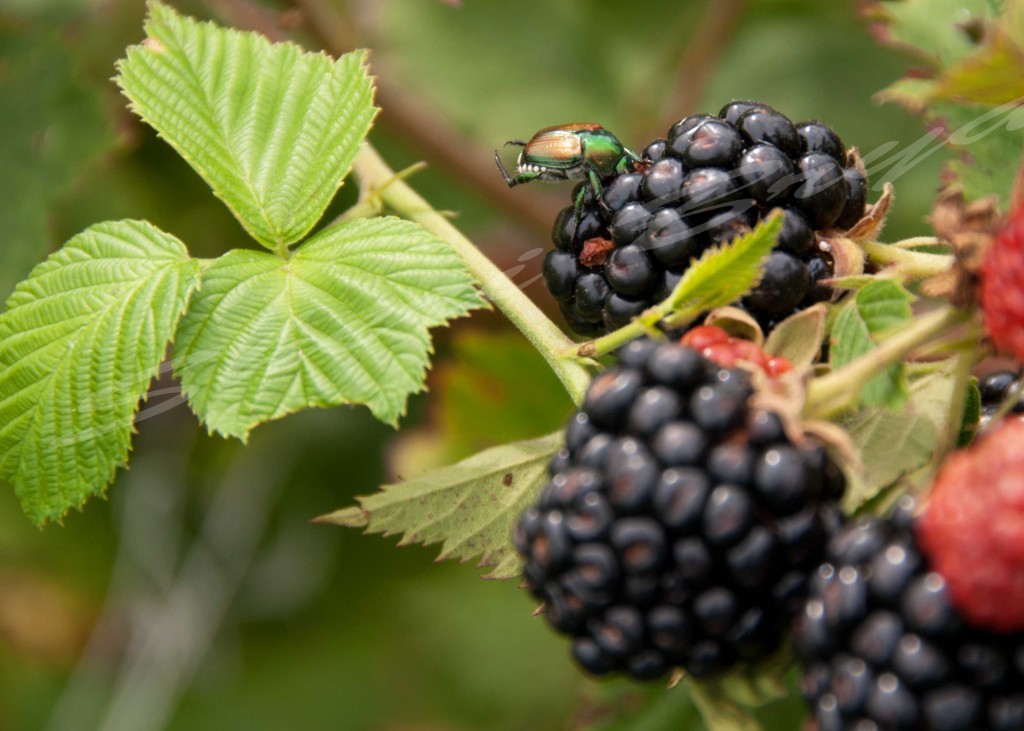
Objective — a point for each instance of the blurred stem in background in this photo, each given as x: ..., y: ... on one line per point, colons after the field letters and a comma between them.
x: 169, y: 594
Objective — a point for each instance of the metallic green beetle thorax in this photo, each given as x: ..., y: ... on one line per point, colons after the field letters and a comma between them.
x: 604, y: 152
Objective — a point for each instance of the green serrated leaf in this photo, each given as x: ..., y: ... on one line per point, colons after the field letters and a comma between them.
x: 79, y: 343
x: 798, y: 338
x: 935, y: 29
x: 990, y: 143
x: 470, y: 506
x: 895, y: 443
x: 724, y: 274
x: 344, y: 320
x: 994, y: 76
x: 876, y: 308
x: 272, y: 130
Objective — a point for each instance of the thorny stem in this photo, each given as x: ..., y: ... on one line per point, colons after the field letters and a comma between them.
x: 370, y: 203
x: 549, y: 340
x: 838, y: 391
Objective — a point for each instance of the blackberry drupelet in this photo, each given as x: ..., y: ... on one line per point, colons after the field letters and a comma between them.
x: 883, y: 648
x: 995, y: 388
x: 679, y: 526
x: 710, y: 180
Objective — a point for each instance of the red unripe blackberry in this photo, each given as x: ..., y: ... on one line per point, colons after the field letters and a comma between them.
x: 1002, y: 294
x: 883, y: 646
x: 973, y: 528
x: 679, y: 527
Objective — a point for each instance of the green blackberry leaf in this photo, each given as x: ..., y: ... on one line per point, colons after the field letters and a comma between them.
x: 935, y: 30
x: 725, y: 273
x: 985, y: 139
x: 970, y: 101
x: 345, y: 319
x: 79, y: 343
x: 271, y: 129
x: 875, y: 309
x: 895, y: 443
x: 471, y: 506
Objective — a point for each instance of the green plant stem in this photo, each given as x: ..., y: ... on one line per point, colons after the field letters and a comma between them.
x: 917, y: 242
x: 834, y: 393
x: 644, y: 324
x: 909, y: 264
x: 370, y: 203
x: 964, y: 365
x: 549, y: 340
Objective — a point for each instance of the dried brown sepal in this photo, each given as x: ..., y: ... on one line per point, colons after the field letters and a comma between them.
x: 871, y: 223
x: 847, y: 256
x: 595, y: 252
x: 969, y: 228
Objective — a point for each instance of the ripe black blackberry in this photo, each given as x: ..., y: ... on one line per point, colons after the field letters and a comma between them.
x: 679, y: 527
x: 995, y: 388
x: 884, y: 649
x: 711, y: 179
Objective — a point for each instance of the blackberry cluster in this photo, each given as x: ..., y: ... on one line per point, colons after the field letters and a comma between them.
x: 994, y: 388
x: 679, y: 528
x: 884, y: 649
x: 709, y: 181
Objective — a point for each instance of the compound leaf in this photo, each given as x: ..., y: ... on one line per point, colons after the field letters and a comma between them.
x: 470, y: 506
x: 345, y: 319
x: 79, y: 343
x: 272, y: 130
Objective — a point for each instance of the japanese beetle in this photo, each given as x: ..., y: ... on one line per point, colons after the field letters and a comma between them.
x: 570, y: 152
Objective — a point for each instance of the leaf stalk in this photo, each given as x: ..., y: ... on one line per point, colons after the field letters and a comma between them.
x: 545, y: 335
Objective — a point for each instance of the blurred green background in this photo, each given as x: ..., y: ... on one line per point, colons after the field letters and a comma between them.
x: 198, y: 596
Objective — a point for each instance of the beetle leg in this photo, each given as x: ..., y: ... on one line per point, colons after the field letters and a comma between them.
x: 578, y: 212
x: 512, y: 181
x: 595, y: 182
x: 515, y: 143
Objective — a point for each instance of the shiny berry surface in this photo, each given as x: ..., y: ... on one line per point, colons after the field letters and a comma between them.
x: 708, y: 181
x: 652, y: 545
x: 883, y: 647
